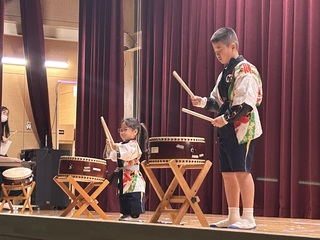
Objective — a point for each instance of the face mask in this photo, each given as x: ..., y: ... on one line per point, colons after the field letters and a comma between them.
x: 4, y: 118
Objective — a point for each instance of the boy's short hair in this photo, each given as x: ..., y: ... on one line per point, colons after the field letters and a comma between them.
x: 225, y: 35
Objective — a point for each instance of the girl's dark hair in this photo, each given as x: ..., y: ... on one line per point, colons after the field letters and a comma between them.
x: 142, y: 136
x: 5, y: 125
x: 4, y: 108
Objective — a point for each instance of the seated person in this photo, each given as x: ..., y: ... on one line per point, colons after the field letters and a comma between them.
x: 5, y: 130
x: 5, y: 133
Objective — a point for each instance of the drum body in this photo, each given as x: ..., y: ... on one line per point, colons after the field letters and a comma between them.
x: 83, y: 168
x: 17, y: 176
x: 182, y: 149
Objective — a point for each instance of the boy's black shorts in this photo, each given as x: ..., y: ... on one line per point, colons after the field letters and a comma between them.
x: 234, y: 157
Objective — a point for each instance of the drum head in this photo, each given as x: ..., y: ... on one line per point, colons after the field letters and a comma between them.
x: 17, y: 173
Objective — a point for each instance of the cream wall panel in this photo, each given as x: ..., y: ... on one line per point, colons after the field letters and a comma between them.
x: 16, y: 95
x: 129, y: 58
x: 128, y: 84
x: 29, y: 141
x: 64, y: 14
x: 13, y: 47
x: 67, y: 104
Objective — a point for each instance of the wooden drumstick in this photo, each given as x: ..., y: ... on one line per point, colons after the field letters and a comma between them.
x: 12, y: 134
x: 106, y: 130
x: 197, y: 114
x: 182, y: 83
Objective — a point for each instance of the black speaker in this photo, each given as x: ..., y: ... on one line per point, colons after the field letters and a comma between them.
x: 46, y: 192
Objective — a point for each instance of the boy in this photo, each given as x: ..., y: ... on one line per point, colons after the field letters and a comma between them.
x: 237, y: 92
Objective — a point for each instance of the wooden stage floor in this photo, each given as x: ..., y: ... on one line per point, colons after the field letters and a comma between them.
x: 47, y: 224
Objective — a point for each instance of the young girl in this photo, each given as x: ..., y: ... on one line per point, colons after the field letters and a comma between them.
x: 127, y: 153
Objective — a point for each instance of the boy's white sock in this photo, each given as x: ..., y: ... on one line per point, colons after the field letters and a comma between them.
x: 248, y: 214
x: 234, y: 214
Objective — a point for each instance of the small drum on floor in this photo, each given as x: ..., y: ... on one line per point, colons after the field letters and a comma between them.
x: 17, y: 176
x: 83, y: 168
x: 186, y: 150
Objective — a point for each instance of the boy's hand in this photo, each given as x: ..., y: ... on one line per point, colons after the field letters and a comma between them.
x: 198, y: 101
x: 219, y: 122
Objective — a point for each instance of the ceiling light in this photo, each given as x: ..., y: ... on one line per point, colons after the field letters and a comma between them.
x: 15, y: 61
x: 21, y: 61
x: 56, y: 64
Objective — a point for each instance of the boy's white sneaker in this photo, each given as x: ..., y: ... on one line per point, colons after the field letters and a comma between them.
x: 244, y: 224
x: 222, y: 224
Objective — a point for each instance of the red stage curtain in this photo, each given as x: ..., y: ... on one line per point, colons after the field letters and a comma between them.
x: 33, y: 42
x: 100, y: 81
x: 282, y: 39
x: 175, y: 37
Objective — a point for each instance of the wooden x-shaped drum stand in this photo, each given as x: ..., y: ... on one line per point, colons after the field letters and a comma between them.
x: 24, y: 196
x: 190, y: 199
x: 80, y: 197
